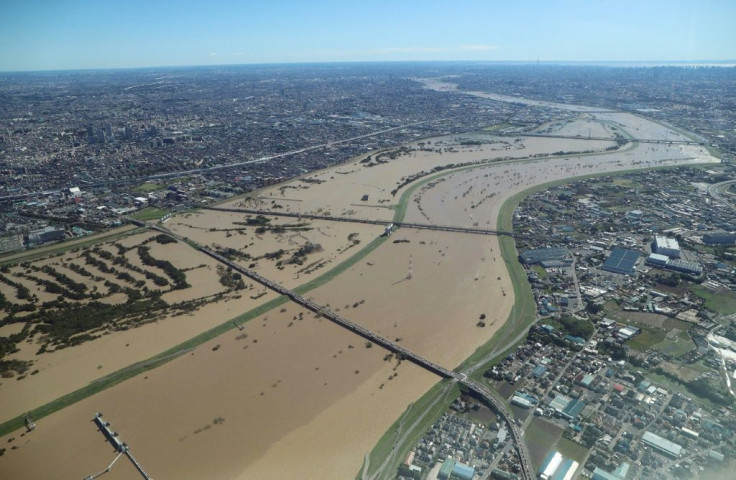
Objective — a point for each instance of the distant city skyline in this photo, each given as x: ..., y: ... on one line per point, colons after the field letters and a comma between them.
x: 84, y: 34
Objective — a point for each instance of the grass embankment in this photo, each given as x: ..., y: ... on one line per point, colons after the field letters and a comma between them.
x: 170, y: 354
x: 43, y: 252
x: 419, y: 414
x: 136, y: 368
x: 509, y: 335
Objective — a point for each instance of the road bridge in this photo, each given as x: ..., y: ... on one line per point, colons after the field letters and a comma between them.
x: 367, y: 221
x: 476, y: 389
x: 609, y: 139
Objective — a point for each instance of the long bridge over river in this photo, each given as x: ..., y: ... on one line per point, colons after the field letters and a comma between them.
x: 609, y: 139
x: 367, y: 221
x: 476, y: 389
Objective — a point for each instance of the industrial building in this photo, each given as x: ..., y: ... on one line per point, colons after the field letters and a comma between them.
x: 566, y: 407
x: 550, y: 464
x: 618, y: 474
x: 521, y: 399
x: 677, y: 265
x: 719, y: 238
x: 566, y: 470
x: 621, y: 261
x: 446, y: 469
x: 453, y: 470
x: 657, y: 259
x: 557, y: 467
x: 662, y: 445
x: 463, y: 472
x: 666, y: 246
x: 521, y: 402
x: 8, y: 243
x: 691, y: 268
x: 45, y: 235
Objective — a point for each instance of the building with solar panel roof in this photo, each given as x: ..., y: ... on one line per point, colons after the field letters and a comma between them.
x: 621, y: 261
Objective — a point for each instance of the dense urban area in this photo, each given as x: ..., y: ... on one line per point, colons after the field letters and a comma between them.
x: 85, y: 147
x: 626, y: 370
x: 626, y: 373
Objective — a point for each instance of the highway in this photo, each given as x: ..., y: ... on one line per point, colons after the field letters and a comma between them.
x: 213, y: 168
x: 715, y: 192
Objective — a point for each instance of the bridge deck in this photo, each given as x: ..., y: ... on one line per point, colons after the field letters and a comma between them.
x: 479, y: 391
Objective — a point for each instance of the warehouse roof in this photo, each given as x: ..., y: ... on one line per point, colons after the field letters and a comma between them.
x: 662, y: 444
x: 621, y: 261
x: 463, y: 471
x: 666, y: 242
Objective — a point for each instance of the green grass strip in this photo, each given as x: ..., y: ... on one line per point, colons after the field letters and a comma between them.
x: 518, y: 320
x: 13, y: 258
x: 341, y: 267
x: 174, y: 352
x: 425, y: 407
x: 522, y: 314
x: 131, y: 371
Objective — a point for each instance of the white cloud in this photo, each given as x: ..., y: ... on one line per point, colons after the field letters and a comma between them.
x: 213, y: 54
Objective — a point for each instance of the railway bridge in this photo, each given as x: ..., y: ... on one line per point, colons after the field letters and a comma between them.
x: 479, y: 391
x: 474, y: 388
x: 416, y: 226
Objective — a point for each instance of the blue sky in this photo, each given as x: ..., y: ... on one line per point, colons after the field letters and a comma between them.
x: 70, y: 34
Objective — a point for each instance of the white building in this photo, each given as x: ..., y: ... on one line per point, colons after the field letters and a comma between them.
x: 657, y: 259
x: 666, y: 246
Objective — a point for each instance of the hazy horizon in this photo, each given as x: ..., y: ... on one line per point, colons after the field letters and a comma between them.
x: 81, y: 34
x: 730, y: 63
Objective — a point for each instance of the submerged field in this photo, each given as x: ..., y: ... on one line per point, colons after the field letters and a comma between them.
x: 284, y: 395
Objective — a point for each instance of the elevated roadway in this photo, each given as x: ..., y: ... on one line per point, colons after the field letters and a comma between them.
x: 416, y: 226
x: 476, y: 389
x: 609, y: 139
x: 719, y: 191
x: 213, y: 168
